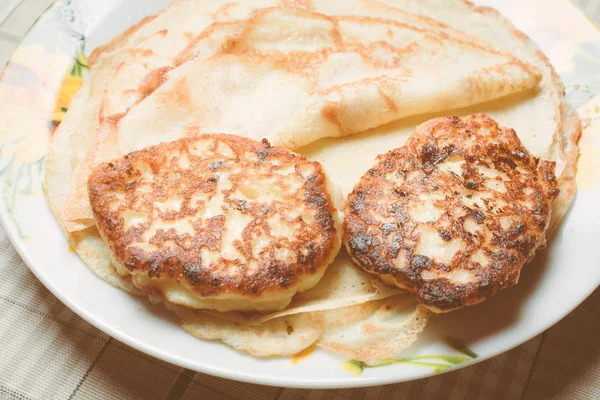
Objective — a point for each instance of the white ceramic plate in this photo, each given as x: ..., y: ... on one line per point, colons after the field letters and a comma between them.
x: 46, y: 63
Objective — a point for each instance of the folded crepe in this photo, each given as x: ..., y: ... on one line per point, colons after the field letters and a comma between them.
x: 294, y: 77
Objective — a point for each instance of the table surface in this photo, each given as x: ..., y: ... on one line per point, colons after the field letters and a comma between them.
x: 48, y: 352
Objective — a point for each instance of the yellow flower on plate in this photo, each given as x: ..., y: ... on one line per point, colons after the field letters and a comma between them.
x: 28, y: 92
x: 70, y: 85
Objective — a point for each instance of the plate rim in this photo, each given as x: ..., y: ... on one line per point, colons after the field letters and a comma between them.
x: 351, y: 382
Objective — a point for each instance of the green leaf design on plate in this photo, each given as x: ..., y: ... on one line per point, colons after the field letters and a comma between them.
x: 444, y: 362
x: 80, y: 63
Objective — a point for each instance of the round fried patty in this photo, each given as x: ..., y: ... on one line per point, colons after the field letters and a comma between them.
x: 454, y: 214
x: 217, y: 221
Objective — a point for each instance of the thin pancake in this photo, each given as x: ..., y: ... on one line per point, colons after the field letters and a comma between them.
x: 278, y: 337
x: 341, y: 76
x: 374, y: 331
x: 391, y: 325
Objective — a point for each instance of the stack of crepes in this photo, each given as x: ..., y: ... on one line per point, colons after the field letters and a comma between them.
x: 339, y: 82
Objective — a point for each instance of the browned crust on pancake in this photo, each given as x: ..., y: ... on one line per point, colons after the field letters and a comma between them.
x: 382, y: 235
x: 118, y: 40
x: 152, y: 81
x: 569, y: 125
x: 230, y: 46
x: 304, y: 5
x: 178, y: 255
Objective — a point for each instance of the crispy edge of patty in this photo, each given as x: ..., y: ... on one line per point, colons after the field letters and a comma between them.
x: 364, y: 235
x: 272, y: 277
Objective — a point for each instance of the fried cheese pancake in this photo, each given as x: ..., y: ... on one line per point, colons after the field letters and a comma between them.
x: 217, y: 222
x: 454, y: 214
